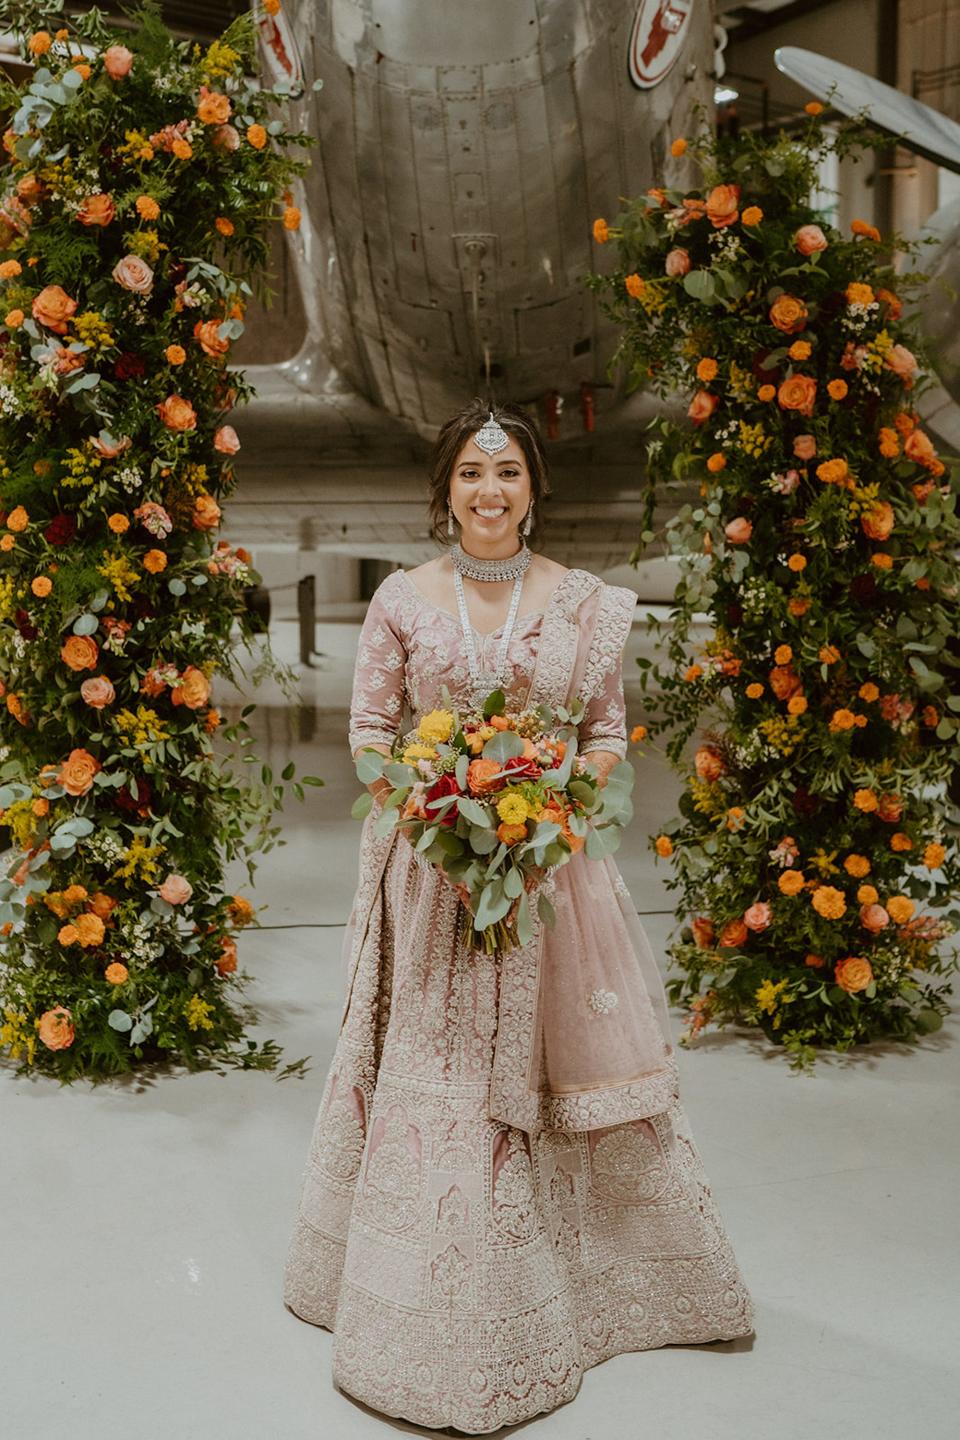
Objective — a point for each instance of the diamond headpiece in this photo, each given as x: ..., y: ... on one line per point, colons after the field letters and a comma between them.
x: 491, y: 436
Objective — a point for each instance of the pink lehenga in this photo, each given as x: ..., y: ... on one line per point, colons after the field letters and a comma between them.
x: 501, y: 1189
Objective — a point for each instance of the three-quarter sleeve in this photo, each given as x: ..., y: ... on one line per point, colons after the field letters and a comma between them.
x: 604, y: 723
x: 378, y: 679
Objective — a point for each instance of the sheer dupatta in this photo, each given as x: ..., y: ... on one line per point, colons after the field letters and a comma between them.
x: 583, y: 1036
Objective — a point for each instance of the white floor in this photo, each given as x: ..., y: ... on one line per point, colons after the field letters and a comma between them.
x: 144, y: 1224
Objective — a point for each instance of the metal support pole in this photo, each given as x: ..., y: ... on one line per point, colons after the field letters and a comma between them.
x: 307, y: 616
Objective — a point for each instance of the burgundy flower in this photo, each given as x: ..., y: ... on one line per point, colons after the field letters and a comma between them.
x: 129, y: 366
x: 144, y: 797
x: 445, y: 785
x: 23, y: 624
x: 734, y: 616
x: 863, y: 589
x: 61, y: 529
x: 803, y: 802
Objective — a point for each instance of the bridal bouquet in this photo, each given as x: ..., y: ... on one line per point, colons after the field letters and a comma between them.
x: 497, y: 800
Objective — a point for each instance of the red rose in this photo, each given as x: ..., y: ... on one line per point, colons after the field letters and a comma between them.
x: 129, y: 366
x: 521, y: 768
x: 144, y: 797
x: 445, y: 785
x: 61, y: 530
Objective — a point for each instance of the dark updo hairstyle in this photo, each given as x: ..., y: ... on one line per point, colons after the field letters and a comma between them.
x: 451, y: 440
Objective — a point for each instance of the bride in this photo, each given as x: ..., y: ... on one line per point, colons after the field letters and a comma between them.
x: 501, y: 1189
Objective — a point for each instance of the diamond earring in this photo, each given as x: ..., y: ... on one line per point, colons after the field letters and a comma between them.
x: 450, y: 529
x: 528, y: 523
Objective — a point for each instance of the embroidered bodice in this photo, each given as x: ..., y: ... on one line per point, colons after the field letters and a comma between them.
x: 410, y: 649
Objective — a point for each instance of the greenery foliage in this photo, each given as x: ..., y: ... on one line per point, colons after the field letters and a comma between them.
x: 815, y: 839
x: 141, y: 176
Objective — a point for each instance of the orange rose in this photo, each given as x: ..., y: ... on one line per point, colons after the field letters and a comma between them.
x: 784, y: 681
x: 798, y: 393
x: 853, y: 974
x: 257, y: 136
x: 213, y: 108
x: 53, y: 308
x: 663, y: 846
x: 96, y: 210
x: 874, y: 918
x: 117, y: 61
x: 878, y: 521
x: 226, y: 440
x: 734, y: 933
x: 809, y: 239
x: 738, y: 530
x: 80, y: 652
x: 55, y: 1028
x: 708, y: 763
x: 177, y: 413
x: 919, y: 447
x: 240, y: 910
x: 804, y: 447
x: 702, y: 406
x: 77, y: 772
x: 703, y: 933
x: 480, y: 776
x: 788, y: 313
x: 206, y: 512
x: 901, y: 361
x: 154, y: 561
x: 193, y: 689
x: 723, y: 205
x: 226, y: 961
x: 211, y: 343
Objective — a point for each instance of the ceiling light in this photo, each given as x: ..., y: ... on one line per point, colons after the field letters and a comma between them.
x: 722, y: 94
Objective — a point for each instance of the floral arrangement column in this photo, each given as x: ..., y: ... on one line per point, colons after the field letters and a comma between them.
x: 140, y: 176
x: 814, y: 852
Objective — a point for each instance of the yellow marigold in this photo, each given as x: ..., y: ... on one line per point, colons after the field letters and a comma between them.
x: 865, y: 800
x: 224, y: 225
x: 147, y: 207
x: 829, y: 902
x: 791, y: 882
x: 858, y: 294
x: 867, y: 895
x: 638, y: 733
x: 418, y: 752
x: 291, y: 218
x: 68, y: 935
x: 693, y: 672
x: 154, y: 561
x: 601, y: 231
x: 800, y: 350
x: 752, y: 215
x: 797, y: 704
x: 736, y: 816
x: 882, y: 560
x: 842, y: 719
x: 837, y: 389
x: 663, y: 846
x: 857, y: 866
x: 13, y: 319
x: 39, y: 42
x: 175, y: 354
x: 889, y: 444
x: 934, y: 855
x: 707, y: 369
x: 41, y: 585
x: 868, y: 691
x: 436, y: 726
x: 829, y: 654
x: 797, y: 605
x: 116, y: 973
x: 7, y: 542
x: 900, y: 842
x: 716, y: 462
x: 813, y: 107
x: 513, y: 808
x: 754, y: 690
x: 10, y: 268
x: 766, y: 392
x: 18, y: 519
x: 783, y: 654
x: 118, y: 523
x: 182, y: 149
x: 678, y: 147
x: 797, y: 562
x: 257, y: 136
x: 900, y: 908
x: 863, y: 227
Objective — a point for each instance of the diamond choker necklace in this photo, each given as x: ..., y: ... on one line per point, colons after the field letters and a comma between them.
x: 513, y: 567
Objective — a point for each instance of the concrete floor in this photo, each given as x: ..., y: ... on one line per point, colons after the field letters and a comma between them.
x: 145, y: 1223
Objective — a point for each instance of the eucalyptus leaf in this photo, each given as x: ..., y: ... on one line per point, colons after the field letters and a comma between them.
x: 362, y: 805
x: 369, y: 766
x: 602, y: 841
x: 475, y: 813
x: 119, y: 1020
x: 524, y: 920
x: 493, y: 905
x: 505, y: 745
x: 513, y: 883
x: 545, y: 910
x: 85, y: 624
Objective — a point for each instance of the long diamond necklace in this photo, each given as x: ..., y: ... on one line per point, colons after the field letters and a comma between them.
x: 513, y: 567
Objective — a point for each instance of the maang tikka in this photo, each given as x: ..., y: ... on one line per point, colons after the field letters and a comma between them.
x: 491, y: 437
